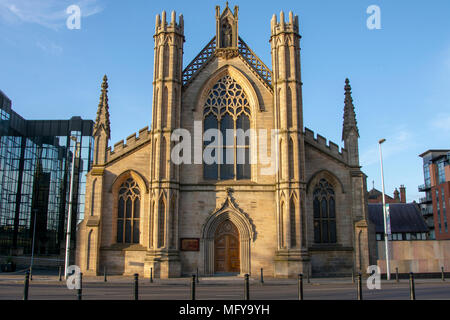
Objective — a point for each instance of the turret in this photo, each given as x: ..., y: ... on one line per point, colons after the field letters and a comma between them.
x: 285, y: 43
x: 288, y: 115
x: 350, y: 133
x: 167, y: 84
x: 102, y: 130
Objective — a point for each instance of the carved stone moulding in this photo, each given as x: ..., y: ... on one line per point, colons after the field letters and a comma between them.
x: 227, y: 53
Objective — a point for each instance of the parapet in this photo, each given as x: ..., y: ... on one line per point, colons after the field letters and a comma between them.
x: 321, y: 143
x: 161, y: 25
x: 284, y: 26
x: 132, y: 141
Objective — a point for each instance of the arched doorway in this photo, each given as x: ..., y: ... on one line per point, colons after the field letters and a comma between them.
x: 240, y: 227
x: 226, y: 248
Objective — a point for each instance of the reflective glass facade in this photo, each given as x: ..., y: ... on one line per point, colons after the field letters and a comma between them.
x: 35, y: 168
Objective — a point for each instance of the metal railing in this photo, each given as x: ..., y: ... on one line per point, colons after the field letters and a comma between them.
x: 424, y: 187
x: 425, y: 200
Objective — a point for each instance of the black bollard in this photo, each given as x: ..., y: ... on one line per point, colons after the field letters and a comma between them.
x: 136, y: 286
x: 300, y: 286
x: 353, y: 277
x: 307, y: 276
x: 151, y: 275
x: 60, y: 273
x: 104, y: 275
x: 246, y: 288
x: 360, y: 297
x: 396, y: 274
x: 193, y: 287
x: 443, y: 274
x: 262, y: 275
x: 412, y: 291
x: 26, y: 285
x: 197, y: 276
x: 80, y: 289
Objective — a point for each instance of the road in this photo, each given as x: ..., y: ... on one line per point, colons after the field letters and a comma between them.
x: 121, y: 288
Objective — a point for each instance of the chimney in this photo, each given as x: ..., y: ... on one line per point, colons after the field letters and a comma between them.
x: 402, y: 194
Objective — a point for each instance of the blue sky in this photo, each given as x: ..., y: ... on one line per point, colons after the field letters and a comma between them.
x: 400, y: 74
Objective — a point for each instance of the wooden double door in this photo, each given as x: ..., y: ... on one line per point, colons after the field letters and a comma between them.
x: 226, y: 248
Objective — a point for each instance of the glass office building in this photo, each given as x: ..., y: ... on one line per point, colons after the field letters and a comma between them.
x: 35, y: 169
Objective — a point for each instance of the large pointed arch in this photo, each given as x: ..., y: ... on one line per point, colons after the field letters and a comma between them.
x: 236, y: 75
x: 139, y: 178
x: 329, y: 176
x: 227, y: 211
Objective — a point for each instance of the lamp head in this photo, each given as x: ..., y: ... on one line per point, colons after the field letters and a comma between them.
x: 381, y: 141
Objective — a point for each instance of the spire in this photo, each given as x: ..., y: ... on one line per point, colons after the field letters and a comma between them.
x: 349, y: 112
x: 103, y: 110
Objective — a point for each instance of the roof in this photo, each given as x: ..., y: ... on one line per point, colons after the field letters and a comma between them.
x: 5, y: 102
x: 374, y: 194
x: 405, y: 217
x: 433, y: 151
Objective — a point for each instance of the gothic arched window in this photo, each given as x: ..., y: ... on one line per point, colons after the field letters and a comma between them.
x: 227, y: 110
x: 324, y: 213
x: 128, y: 212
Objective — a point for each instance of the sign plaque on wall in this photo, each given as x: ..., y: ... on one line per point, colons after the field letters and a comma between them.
x: 190, y: 244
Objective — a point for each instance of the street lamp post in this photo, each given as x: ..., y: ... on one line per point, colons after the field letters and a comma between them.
x: 386, y: 238
x: 69, y: 215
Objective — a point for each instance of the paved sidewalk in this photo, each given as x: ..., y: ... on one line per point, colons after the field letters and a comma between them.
x: 43, y: 277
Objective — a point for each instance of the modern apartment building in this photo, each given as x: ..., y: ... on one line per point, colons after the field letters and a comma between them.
x: 436, y: 203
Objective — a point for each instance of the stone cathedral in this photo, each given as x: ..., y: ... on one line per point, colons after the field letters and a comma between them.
x: 145, y: 213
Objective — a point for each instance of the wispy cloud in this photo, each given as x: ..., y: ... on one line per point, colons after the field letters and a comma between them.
x: 49, y: 47
x: 396, y: 143
x: 47, y: 13
x: 442, y: 122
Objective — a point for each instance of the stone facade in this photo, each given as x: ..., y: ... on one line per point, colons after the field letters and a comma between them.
x: 273, y: 213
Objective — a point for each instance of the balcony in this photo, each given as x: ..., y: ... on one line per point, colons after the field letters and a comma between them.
x: 425, y: 200
x: 427, y: 211
x: 430, y: 223
x: 424, y: 187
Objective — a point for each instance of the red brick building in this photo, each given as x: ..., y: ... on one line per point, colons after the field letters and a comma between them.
x: 376, y: 196
x: 436, y: 168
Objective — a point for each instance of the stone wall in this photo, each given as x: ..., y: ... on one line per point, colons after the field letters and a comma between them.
x: 415, y: 256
